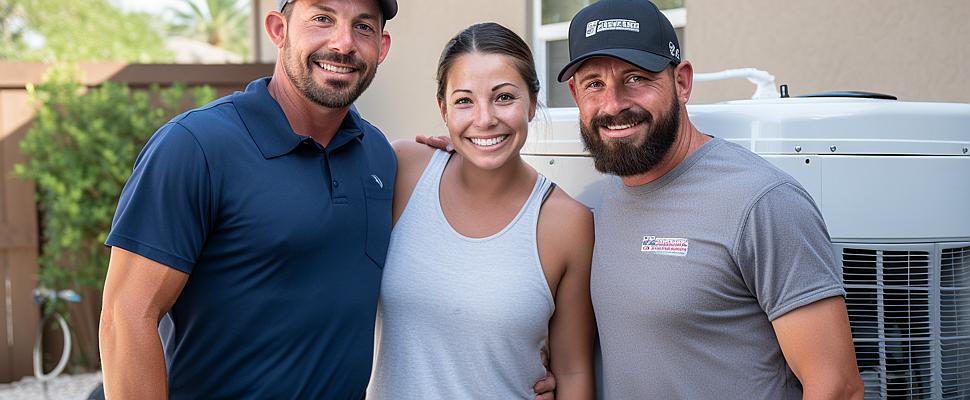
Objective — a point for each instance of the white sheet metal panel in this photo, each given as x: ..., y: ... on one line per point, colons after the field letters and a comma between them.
x: 839, y: 126
x: 574, y: 174
x: 895, y: 197
x: 799, y: 126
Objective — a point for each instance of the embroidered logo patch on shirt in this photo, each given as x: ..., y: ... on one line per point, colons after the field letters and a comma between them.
x: 664, y: 246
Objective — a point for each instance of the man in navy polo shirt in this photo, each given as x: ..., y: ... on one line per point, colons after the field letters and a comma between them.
x: 259, y: 224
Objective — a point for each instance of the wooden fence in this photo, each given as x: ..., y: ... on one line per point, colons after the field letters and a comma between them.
x: 19, y: 240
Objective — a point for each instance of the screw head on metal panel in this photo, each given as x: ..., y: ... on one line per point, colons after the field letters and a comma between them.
x: 798, y: 149
x: 965, y: 150
x: 552, y: 161
x: 833, y: 148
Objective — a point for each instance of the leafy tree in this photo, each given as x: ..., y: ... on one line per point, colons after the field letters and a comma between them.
x: 12, y: 42
x: 81, y: 149
x: 77, y: 30
x: 221, y: 23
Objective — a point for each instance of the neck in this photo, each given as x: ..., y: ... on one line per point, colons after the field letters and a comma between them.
x: 488, y: 184
x: 689, y: 139
x: 305, y: 117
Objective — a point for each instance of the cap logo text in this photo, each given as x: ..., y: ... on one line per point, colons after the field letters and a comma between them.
x: 674, y: 51
x: 595, y: 26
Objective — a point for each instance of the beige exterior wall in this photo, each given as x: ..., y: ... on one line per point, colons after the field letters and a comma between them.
x: 263, y: 49
x: 916, y: 50
x: 401, y: 100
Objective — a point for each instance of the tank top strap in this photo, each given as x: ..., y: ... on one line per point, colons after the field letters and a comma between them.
x: 431, y: 177
x: 542, y: 189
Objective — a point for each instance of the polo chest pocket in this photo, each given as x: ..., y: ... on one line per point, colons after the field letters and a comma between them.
x: 377, y: 199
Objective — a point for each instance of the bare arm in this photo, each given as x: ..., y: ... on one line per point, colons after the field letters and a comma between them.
x: 572, y: 326
x: 137, y: 293
x: 817, y: 343
x: 412, y: 158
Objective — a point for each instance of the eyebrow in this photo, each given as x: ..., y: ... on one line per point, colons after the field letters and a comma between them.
x: 494, y: 88
x: 594, y: 75
x: 501, y: 85
x: 632, y: 69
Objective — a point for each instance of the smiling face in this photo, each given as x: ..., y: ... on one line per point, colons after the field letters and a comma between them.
x: 487, y: 108
x: 629, y: 117
x: 332, y: 49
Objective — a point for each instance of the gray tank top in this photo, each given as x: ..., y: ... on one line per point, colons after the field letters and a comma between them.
x: 461, y: 317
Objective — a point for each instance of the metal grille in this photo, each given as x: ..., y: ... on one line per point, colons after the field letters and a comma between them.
x: 888, y: 295
x: 955, y: 322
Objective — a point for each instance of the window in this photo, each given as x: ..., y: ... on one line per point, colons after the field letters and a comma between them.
x: 551, y: 47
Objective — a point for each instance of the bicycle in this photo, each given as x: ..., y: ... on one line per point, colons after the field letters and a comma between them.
x: 41, y: 296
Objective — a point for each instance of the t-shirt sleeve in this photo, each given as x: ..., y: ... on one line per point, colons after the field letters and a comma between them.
x: 784, y: 252
x: 164, y: 210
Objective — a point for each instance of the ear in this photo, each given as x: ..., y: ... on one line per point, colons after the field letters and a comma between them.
x: 385, y: 46
x: 275, y: 25
x: 443, y: 107
x: 684, y: 79
x: 572, y: 90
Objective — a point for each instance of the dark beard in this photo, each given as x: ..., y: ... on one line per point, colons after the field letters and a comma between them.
x: 338, y: 93
x: 623, y: 158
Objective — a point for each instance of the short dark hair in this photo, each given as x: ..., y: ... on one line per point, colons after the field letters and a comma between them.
x: 287, y: 11
x: 489, y: 38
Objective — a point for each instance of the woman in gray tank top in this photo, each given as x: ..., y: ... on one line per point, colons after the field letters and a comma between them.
x: 488, y: 261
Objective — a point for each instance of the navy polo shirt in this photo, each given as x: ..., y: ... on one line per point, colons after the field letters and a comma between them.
x: 284, y: 242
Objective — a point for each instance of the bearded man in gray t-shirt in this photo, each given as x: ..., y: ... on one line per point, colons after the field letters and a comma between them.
x: 713, y: 276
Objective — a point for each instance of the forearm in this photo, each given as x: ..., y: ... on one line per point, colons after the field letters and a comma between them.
x: 833, y: 385
x: 132, y: 359
x: 834, y: 388
x: 574, y: 385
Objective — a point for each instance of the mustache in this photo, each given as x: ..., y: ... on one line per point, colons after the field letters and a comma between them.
x: 337, y: 58
x: 628, y: 116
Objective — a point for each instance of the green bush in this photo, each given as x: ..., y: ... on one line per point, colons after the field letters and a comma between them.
x: 81, y: 150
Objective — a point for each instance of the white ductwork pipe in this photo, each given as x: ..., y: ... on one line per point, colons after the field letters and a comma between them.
x: 764, y: 81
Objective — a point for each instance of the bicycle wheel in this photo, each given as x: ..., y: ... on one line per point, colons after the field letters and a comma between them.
x: 39, y: 349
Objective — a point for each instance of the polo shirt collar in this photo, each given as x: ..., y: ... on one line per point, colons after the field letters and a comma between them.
x: 271, y: 131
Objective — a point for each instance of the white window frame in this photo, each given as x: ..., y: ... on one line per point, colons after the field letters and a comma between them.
x: 560, y: 31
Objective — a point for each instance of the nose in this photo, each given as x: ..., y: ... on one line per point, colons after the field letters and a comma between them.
x: 484, y: 116
x: 615, y: 100
x: 342, y: 40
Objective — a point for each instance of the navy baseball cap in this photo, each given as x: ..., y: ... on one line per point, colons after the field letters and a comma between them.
x: 634, y: 31
x: 388, y: 7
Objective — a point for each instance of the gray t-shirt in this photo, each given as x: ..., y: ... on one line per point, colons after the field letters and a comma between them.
x: 690, y: 270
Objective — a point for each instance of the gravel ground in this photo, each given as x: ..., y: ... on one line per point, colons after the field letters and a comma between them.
x: 65, y: 387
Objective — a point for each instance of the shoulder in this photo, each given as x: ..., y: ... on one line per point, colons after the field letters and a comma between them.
x: 566, y: 220
x: 372, y: 135
x: 214, y: 122
x: 751, y: 167
x: 411, y: 155
x: 739, y: 174
x: 172, y: 140
x: 564, y: 206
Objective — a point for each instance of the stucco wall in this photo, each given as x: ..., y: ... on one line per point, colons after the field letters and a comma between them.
x: 916, y: 50
x: 401, y: 100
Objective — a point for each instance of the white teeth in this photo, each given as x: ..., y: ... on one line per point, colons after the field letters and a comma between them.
x: 488, y: 142
x: 334, y: 68
x: 619, y: 127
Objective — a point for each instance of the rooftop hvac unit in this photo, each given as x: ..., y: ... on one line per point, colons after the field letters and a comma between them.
x: 892, y: 180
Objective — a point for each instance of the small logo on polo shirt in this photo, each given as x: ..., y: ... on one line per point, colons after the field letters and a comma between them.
x: 596, y: 26
x: 665, y: 246
x: 378, y: 180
